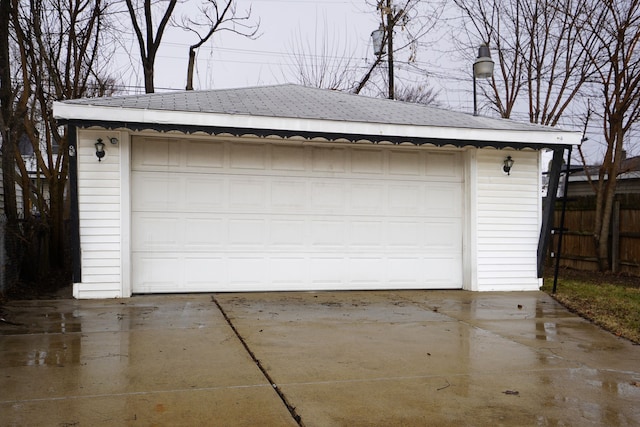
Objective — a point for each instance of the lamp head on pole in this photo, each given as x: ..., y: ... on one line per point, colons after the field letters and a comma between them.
x: 483, y: 65
x: 377, y: 38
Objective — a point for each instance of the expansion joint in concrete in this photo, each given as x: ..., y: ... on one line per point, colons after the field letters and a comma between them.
x: 290, y: 408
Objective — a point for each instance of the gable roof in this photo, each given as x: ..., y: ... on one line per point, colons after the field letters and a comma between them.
x: 293, y: 110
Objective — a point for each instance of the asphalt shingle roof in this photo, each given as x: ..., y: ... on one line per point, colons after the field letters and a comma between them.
x: 294, y: 101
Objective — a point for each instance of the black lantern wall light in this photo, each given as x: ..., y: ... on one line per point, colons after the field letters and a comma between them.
x: 100, y: 152
x: 99, y: 149
x: 507, y: 165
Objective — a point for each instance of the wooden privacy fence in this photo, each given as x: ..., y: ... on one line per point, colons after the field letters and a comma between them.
x: 578, y: 246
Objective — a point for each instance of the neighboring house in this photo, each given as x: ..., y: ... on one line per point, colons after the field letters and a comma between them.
x: 26, y: 151
x: 628, y: 178
x: 293, y: 188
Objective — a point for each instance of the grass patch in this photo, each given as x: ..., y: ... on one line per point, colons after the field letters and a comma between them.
x: 614, y: 307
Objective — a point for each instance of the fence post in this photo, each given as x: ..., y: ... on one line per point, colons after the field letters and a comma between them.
x: 615, y: 237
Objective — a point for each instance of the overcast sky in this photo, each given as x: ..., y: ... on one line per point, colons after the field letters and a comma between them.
x: 229, y: 60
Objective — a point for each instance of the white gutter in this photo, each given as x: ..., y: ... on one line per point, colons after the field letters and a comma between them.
x: 182, y: 118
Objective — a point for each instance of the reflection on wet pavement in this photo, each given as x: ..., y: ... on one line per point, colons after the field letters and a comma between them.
x: 339, y: 358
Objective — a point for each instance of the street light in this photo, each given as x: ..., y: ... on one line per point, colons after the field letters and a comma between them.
x: 482, y: 69
x: 387, y: 9
x: 377, y: 37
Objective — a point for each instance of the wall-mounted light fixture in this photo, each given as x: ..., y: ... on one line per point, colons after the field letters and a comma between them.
x: 507, y: 165
x: 99, y: 149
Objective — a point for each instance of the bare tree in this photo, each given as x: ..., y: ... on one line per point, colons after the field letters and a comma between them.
x: 415, y: 19
x: 403, y: 26
x: 216, y: 16
x: 59, y: 46
x: 538, y: 54
x: 419, y: 94
x: 148, y: 42
x: 616, y: 56
x: 324, y: 62
x: 9, y: 128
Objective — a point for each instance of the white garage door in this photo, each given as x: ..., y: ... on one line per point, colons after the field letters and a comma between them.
x: 212, y: 215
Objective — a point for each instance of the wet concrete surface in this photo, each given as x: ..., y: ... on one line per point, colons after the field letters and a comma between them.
x: 394, y: 358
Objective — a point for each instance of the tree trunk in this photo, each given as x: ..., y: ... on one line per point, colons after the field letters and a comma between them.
x: 7, y: 122
x: 148, y: 76
x: 190, y: 66
x: 390, y: 25
x: 606, y: 195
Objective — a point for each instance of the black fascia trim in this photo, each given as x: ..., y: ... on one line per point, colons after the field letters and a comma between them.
x: 239, y: 132
x: 74, y: 216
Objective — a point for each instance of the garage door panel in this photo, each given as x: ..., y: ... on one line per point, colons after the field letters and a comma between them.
x: 367, y: 271
x: 154, y: 232
x: 443, y: 200
x: 328, y: 271
x: 288, y: 233
x: 248, y: 271
x: 162, y: 192
x: 327, y: 233
x: 247, y: 193
x: 291, y: 271
x: 247, y: 233
x: 248, y: 156
x: 405, y: 198
x: 401, y: 270
x: 328, y: 159
x: 203, y: 193
x: 366, y: 234
x: 366, y: 161
x: 328, y: 196
x: 446, y: 165
x: 285, y: 158
x: 204, y: 271
x: 444, y: 272
x: 442, y: 235
x: 204, y: 234
x: 154, y: 154
x: 289, y: 196
x: 404, y: 234
x: 204, y: 155
x: 234, y: 217
x: 367, y: 198
x: 157, y: 273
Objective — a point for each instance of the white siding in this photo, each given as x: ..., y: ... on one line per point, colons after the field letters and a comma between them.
x: 508, y: 220
x: 99, y: 202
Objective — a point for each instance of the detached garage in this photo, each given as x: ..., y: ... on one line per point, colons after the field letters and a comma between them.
x: 294, y: 188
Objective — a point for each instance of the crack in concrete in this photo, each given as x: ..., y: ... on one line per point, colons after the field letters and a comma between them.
x: 292, y: 410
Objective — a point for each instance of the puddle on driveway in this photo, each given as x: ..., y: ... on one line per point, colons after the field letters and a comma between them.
x: 421, y: 353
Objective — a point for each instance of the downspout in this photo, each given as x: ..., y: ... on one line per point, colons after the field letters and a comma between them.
x: 72, y: 140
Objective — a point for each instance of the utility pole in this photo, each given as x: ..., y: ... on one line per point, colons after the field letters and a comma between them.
x: 382, y: 35
x: 390, y: 24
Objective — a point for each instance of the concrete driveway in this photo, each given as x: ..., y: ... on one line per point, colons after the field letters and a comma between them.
x: 314, y: 359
